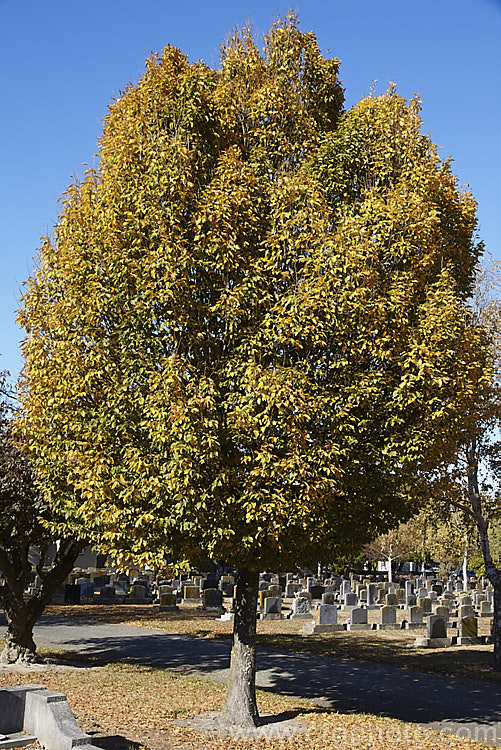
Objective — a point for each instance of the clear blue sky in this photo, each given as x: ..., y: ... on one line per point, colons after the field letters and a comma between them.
x: 63, y: 61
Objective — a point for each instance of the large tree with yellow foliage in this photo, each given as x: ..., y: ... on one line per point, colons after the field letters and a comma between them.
x: 247, y: 337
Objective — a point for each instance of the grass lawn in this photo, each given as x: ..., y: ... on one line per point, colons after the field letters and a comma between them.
x: 391, y: 646
x: 138, y: 707
x: 127, y: 706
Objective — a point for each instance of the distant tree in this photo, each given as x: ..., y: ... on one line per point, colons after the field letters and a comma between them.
x: 24, y: 538
x: 248, y: 339
x: 444, y: 535
x: 389, y: 548
x: 471, y: 484
x: 482, y: 451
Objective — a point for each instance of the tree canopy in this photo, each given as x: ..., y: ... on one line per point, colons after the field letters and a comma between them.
x: 247, y: 337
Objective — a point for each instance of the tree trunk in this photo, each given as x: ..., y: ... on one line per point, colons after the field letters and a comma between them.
x: 493, y: 574
x: 389, y: 567
x: 19, y: 645
x: 465, y: 565
x: 496, y: 620
x: 22, y: 615
x: 240, y: 706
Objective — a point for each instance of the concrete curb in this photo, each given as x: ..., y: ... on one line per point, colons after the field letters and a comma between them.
x: 43, y: 714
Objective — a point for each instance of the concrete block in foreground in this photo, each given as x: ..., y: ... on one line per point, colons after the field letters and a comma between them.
x: 43, y: 714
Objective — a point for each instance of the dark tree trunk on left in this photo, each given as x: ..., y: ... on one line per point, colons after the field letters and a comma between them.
x: 21, y: 612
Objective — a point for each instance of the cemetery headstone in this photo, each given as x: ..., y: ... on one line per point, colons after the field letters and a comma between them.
x: 425, y: 604
x: 468, y: 632
x: 300, y: 608
x: 436, y: 627
x: 358, y: 619
x: 387, y: 618
x: 325, y: 621
x: 272, y: 608
x: 316, y: 591
x: 414, y: 617
x: 350, y: 600
x: 485, y: 609
x: 191, y: 594
x: 212, y: 599
x: 168, y: 602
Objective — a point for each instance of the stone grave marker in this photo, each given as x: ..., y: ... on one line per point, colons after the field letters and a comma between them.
x: 436, y: 627
x: 468, y: 632
x: 137, y: 592
x: 326, y: 614
x: 350, y: 600
x: 87, y: 590
x: 191, y: 594
x: 213, y: 600
x: 290, y: 589
x: 300, y: 608
x: 272, y: 608
x: 358, y: 620
x: 168, y: 603
x: 436, y: 634
x: 466, y: 610
x: 165, y: 588
x: 371, y: 595
x: 414, y: 618
x: 108, y: 592
x: 209, y: 583
x: 227, y: 587
x: 316, y: 591
x: 345, y: 587
x: 486, y: 609
x: 325, y: 621
x: 388, y: 618
x: 425, y: 604
x: 262, y: 596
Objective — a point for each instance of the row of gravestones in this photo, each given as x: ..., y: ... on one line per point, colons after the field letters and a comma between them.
x: 328, y: 593
x: 431, y: 606
x: 110, y: 588
x: 371, y: 595
x: 351, y: 593
x: 105, y: 588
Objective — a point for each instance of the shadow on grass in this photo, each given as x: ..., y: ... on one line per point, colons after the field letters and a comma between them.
x: 473, y: 662
x: 115, y: 742
x: 269, y: 719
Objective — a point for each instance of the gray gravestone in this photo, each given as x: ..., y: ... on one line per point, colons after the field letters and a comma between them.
x: 213, y: 599
x: 436, y: 627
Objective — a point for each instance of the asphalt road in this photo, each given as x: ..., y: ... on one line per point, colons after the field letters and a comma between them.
x: 465, y: 707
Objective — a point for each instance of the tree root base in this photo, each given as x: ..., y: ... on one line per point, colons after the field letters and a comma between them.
x: 16, y: 655
x: 270, y: 727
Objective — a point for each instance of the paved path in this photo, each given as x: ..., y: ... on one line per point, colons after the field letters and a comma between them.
x: 468, y: 708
